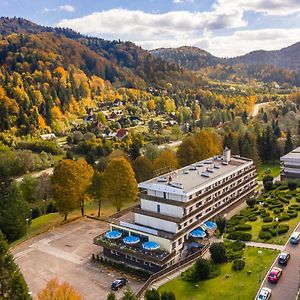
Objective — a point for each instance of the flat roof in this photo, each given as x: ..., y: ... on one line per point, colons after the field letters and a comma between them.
x: 185, y: 180
x: 292, y: 155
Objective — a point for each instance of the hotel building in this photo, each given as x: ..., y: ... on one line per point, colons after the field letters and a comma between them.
x: 291, y: 165
x: 176, y: 204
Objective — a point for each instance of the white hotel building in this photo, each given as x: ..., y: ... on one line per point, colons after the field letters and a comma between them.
x: 291, y: 165
x: 175, y: 204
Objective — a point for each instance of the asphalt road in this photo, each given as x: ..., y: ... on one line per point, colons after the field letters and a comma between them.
x: 288, y: 284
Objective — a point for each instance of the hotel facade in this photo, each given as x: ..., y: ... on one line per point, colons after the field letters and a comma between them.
x: 290, y: 165
x: 174, y: 207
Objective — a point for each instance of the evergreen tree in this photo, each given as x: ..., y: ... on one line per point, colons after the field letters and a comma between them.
x: 265, y: 117
x: 12, y: 283
x: 288, y: 146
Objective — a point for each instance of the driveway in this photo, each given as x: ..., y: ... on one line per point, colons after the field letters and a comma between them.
x: 65, y: 253
x: 288, y: 284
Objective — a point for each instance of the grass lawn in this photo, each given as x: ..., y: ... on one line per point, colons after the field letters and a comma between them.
x: 280, y: 239
x: 239, y: 285
x: 273, y: 167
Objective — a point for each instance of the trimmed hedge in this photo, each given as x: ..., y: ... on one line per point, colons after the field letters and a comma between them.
x: 243, y: 227
x: 267, y: 219
x: 240, y: 235
x: 265, y: 235
x: 252, y: 219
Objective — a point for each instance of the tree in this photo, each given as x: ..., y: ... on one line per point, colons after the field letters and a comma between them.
x: 152, y: 294
x: 96, y: 189
x: 187, y: 152
x: 111, y: 296
x: 176, y: 131
x: 128, y: 295
x: 119, y: 183
x: 221, y: 224
x: 58, y: 291
x: 288, y: 145
x: 28, y: 188
x: 12, y: 283
x: 292, y: 185
x: 251, y: 201
x: 268, y: 185
x: 44, y: 188
x: 13, y: 211
x: 135, y: 148
x: 166, y: 159
x: 208, y: 144
x: 143, y: 168
x: 151, y: 104
x: 202, y: 269
x: 167, y: 296
x: 151, y: 151
x: 218, y: 252
x: 265, y: 117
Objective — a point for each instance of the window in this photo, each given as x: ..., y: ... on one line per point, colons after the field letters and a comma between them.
x: 158, y: 208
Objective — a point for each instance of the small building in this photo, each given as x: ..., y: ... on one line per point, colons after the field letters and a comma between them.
x: 48, y: 137
x: 290, y: 165
x: 176, y: 212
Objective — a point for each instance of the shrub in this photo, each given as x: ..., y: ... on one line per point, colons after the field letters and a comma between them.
x: 251, y: 202
x: 167, y: 296
x: 218, y: 252
x: 298, y: 199
x: 264, y: 235
x: 252, y: 219
x: 238, y: 265
x: 240, y: 235
x: 152, y: 294
x: 202, y: 269
x: 292, y: 214
x: 292, y: 185
x: 243, y: 227
x: 284, y: 217
x: 268, y: 178
x: 265, y: 214
x: 267, y: 219
x: 282, y: 229
x: 268, y: 185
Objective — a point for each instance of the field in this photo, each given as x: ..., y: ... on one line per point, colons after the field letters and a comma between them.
x: 233, y: 285
x: 274, y: 169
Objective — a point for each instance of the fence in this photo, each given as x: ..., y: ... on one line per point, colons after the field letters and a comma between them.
x: 170, y: 270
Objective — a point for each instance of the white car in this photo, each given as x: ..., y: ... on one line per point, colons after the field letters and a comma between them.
x: 264, y: 294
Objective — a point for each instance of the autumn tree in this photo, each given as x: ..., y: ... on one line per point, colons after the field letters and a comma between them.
x: 44, y: 188
x: 143, y: 168
x: 187, y: 152
x: 12, y: 283
x: 176, y: 131
x: 96, y: 189
x: 151, y: 104
x: 166, y: 159
x: 70, y: 181
x: 58, y: 291
x: 119, y: 183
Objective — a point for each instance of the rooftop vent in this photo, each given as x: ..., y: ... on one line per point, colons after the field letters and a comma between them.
x: 226, y: 155
x: 176, y: 185
x: 162, y: 179
x: 205, y: 174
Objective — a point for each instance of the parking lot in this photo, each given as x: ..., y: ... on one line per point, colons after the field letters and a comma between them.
x: 288, y: 284
x: 65, y: 253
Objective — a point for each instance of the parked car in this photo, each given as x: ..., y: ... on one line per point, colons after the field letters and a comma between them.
x: 264, y: 294
x: 295, y: 237
x: 117, y: 284
x: 284, y: 258
x: 274, y: 275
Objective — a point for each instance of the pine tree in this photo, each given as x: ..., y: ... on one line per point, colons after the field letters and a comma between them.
x: 12, y: 283
x: 288, y: 146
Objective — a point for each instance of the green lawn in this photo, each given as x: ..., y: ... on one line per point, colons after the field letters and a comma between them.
x: 239, y: 285
x: 273, y: 167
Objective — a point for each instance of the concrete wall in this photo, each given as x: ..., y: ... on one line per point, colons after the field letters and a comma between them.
x: 165, y: 209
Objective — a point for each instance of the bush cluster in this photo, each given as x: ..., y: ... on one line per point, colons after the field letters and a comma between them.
x: 240, y: 235
x: 238, y: 264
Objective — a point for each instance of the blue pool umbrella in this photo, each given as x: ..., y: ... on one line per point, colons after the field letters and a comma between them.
x: 131, y: 240
x: 203, y: 227
x: 210, y: 225
x: 113, y: 234
x: 197, y: 233
x: 151, y: 245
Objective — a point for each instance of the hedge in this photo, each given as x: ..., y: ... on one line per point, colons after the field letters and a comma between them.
x: 265, y: 235
x: 292, y: 214
x: 266, y: 214
x: 240, y: 235
x: 267, y: 219
x: 252, y: 219
x: 243, y: 227
x: 238, y: 264
x: 282, y: 229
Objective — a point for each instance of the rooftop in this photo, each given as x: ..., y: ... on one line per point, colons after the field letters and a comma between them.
x: 191, y: 177
x: 292, y: 155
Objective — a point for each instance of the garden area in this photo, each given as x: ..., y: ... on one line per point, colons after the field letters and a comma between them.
x: 271, y: 218
x: 239, y: 277
x: 271, y: 169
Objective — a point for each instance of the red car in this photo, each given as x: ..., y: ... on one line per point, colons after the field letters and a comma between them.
x: 274, y: 275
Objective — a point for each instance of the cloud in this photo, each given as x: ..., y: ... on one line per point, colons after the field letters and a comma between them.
x: 135, y: 25
x: 65, y: 8
x: 182, y: 1
x: 270, y: 7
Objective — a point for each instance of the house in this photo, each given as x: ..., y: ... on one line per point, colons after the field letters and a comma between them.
x: 176, y: 212
x: 49, y: 136
x: 290, y: 165
x: 121, y: 133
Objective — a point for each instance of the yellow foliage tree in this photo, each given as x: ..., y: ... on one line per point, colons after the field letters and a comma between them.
x: 151, y: 104
x: 166, y: 159
x: 58, y: 291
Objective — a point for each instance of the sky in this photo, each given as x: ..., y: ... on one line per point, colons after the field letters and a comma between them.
x: 225, y: 28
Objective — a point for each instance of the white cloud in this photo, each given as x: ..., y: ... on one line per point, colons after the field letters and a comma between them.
x: 182, y: 1
x: 65, y: 8
x: 267, y: 7
x: 135, y: 25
